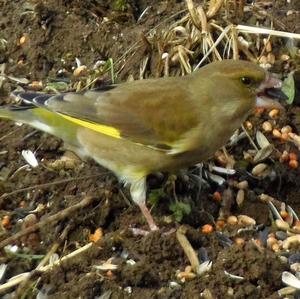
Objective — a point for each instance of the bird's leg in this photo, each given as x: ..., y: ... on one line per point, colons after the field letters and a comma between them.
x: 138, y: 195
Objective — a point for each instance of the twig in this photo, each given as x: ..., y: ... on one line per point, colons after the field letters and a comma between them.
x: 50, y: 220
x: 214, y: 7
x: 67, y: 257
x: 24, y: 283
x: 219, y: 39
x: 20, y: 278
x: 5, y: 195
x: 187, y: 248
x: 249, y: 137
x: 10, y: 133
x: 258, y: 30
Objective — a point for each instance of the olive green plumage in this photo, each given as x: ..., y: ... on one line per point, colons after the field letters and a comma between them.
x: 146, y: 126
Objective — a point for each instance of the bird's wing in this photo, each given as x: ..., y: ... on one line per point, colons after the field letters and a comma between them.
x: 155, y: 113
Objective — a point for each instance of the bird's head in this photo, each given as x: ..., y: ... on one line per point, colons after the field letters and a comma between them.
x: 239, y: 86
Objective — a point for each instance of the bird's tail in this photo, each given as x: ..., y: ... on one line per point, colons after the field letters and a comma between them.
x: 42, y: 119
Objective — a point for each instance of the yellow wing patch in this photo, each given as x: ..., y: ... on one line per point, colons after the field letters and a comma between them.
x: 106, y: 130
x: 115, y: 133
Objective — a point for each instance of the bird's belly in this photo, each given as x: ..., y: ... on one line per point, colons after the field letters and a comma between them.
x: 128, y: 160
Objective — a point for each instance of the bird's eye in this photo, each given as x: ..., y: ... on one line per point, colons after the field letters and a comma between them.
x: 246, y: 81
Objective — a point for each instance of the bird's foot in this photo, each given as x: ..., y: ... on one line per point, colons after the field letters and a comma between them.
x: 148, y: 216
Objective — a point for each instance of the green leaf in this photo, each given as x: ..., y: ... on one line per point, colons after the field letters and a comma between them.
x: 288, y: 87
x: 56, y: 86
x: 179, y: 210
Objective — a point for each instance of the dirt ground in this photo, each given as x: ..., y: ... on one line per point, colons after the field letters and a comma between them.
x: 40, y: 42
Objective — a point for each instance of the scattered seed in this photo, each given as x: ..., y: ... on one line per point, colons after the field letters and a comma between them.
x: 204, y: 267
x: 230, y: 292
x: 276, y: 247
x: 242, y: 185
x: 284, y: 214
x: 30, y: 158
x: 96, y: 236
x: 286, y: 129
x: 263, y: 153
x: 284, y: 157
x: 296, y: 226
x: 234, y: 277
x: 207, y: 229
x: 267, y: 126
x: 217, y: 196
x: 293, y: 164
x: 276, y: 133
x: 295, y: 267
x: 5, y: 221
x: 290, y: 280
x: 206, y: 294
x: 287, y: 243
x: 239, y: 241
x: 22, y: 40
x: 240, y: 197
x: 293, y: 156
x: 79, y: 70
x: 186, y: 276
x: 36, y: 85
x: 282, y: 225
x: 284, y: 136
x: 246, y: 220
x: 259, y: 111
x: 248, y: 125
x: 274, y: 113
x: 232, y: 220
x: 295, y: 138
x: 284, y: 57
x: 262, y: 140
x: 286, y: 291
x: 220, y: 224
x: 109, y: 274
x: 271, y: 241
x: 259, y: 169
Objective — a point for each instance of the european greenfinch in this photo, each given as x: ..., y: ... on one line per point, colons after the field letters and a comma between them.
x: 141, y: 127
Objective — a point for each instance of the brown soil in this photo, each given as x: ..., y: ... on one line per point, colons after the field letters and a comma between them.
x: 57, y: 32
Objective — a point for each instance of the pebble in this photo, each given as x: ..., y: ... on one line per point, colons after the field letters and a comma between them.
x: 280, y: 235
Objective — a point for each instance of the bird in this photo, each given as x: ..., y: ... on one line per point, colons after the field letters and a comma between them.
x: 153, y: 125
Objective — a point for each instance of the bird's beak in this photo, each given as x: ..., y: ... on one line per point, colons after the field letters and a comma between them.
x: 269, y: 92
